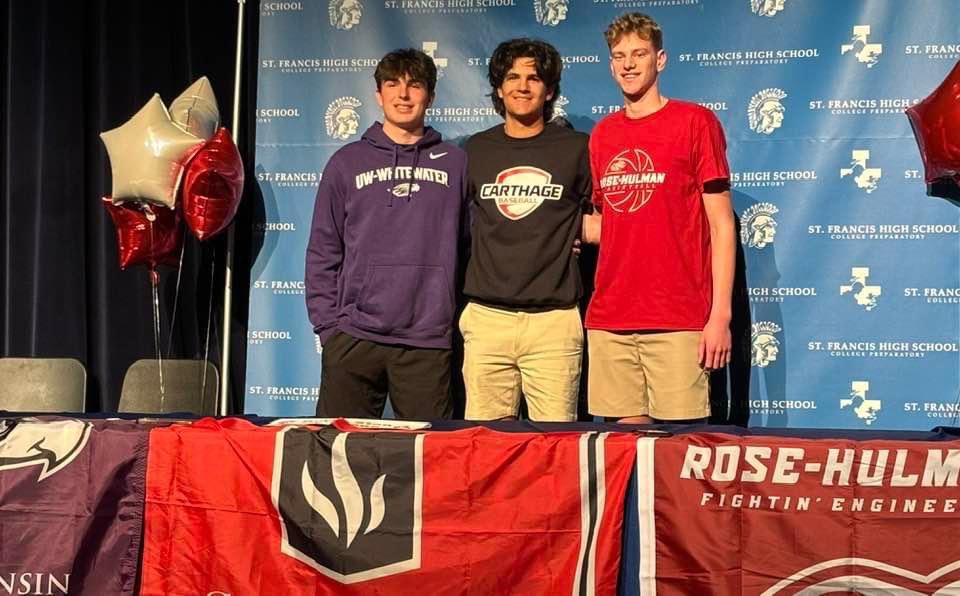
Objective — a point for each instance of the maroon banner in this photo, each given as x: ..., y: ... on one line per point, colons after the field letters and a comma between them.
x: 315, y: 511
x: 71, y: 506
x: 722, y: 514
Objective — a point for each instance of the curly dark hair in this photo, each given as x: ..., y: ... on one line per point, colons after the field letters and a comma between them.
x: 547, y: 62
x: 410, y: 62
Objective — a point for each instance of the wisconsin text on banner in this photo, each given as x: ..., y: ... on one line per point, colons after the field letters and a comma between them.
x: 71, y: 506
x: 722, y: 514
x: 297, y: 510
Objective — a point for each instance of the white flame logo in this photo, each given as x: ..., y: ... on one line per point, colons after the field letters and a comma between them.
x: 349, y: 490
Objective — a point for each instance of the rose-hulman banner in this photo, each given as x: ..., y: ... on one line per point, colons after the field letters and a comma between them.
x: 339, y: 510
x: 722, y: 514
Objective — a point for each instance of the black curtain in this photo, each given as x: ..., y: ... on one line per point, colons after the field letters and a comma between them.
x: 68, y: 71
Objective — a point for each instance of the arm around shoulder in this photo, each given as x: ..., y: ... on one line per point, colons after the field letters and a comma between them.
x: 591, y: 227
x: 592, y: 222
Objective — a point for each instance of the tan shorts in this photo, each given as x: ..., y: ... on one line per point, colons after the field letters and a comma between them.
x: 652, y: 374
x: 506, y: 354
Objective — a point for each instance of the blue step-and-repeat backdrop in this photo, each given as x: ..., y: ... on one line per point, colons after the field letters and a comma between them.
x: 853, y: 273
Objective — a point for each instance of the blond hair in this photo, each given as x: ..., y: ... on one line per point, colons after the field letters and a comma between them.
x: 634, y: 22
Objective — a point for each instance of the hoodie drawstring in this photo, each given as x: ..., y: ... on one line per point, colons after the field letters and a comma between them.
x: 393, y: 172
x: 416, y: 159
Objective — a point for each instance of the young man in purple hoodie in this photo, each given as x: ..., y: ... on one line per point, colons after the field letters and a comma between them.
x: 382, y: 258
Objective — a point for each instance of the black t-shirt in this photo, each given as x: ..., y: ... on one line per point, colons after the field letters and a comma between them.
x: 527, y: 197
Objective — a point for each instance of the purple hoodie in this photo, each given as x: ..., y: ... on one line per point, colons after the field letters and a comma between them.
x: 382, y: 258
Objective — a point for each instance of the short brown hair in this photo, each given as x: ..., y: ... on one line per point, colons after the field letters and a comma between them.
x: 410, y: 62
x: 634, y: 22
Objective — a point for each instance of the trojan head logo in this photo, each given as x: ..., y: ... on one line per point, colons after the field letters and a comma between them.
x: 866, y: 178
x: 866, y: 410
x: 758, y: 228
x: 349, y: 503
x: 550, y: 13
x: 766, y: 8
x: 629, y: 181
x: 855, y: 575
x: 345, y: 14
x: 865, y: 293
x: 342, y: 119
x: 558, y: 111
x: 866, y: 52
x: 519, y: 191
x: 51, y: 446
x: 765, y: 112
x: 765, y: 345
x: 430, y: 49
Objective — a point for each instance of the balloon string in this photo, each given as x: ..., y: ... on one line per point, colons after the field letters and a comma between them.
x: 176, y: 298
x: 206, y: 339
x: 155, y: 290
x: 155, y: 283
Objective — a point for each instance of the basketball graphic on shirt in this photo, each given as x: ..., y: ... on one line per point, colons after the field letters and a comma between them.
x: 629, y: 180
x: 518, y: 191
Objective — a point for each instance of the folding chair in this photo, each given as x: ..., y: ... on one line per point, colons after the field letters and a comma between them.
x: 189, y: 386
x: 42, y: 385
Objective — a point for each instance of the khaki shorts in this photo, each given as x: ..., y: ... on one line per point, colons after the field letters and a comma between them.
x: 652, y: 374
x: 507, y: 353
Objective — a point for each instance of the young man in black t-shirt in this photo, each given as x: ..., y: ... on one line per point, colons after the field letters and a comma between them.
x: 529, y: 182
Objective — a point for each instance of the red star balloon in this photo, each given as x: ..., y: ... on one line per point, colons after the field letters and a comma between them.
x: 212, y: 185
x: 145, y: 234
x: 936, y: 126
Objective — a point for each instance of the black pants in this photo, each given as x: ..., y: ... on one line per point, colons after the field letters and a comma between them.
x: 357, y: 376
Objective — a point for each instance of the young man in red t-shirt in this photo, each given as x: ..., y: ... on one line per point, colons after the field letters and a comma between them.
x: 659, y: 319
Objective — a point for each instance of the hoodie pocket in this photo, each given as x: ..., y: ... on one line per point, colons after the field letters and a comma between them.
x: 405, y: 301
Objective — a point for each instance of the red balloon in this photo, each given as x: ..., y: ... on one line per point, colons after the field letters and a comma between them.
x: 146, y: 234
x: 212, y: 185
x: 936, y: 126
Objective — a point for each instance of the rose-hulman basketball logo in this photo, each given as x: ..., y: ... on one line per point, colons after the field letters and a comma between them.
x: 629, y: 181
x: 518, y: 191
x: 868, y: 576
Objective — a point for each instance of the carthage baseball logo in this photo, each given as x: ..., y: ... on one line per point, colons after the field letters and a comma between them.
x: 630, y: 180
x: 520, y: 190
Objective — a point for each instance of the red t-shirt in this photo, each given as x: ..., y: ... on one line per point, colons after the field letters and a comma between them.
x: 648, y: 175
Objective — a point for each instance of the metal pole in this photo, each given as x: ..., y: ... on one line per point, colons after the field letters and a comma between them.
x: 228, y: 258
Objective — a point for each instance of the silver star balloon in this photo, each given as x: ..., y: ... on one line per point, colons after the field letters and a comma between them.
x: 147, y: 154
x: 195, y: 110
